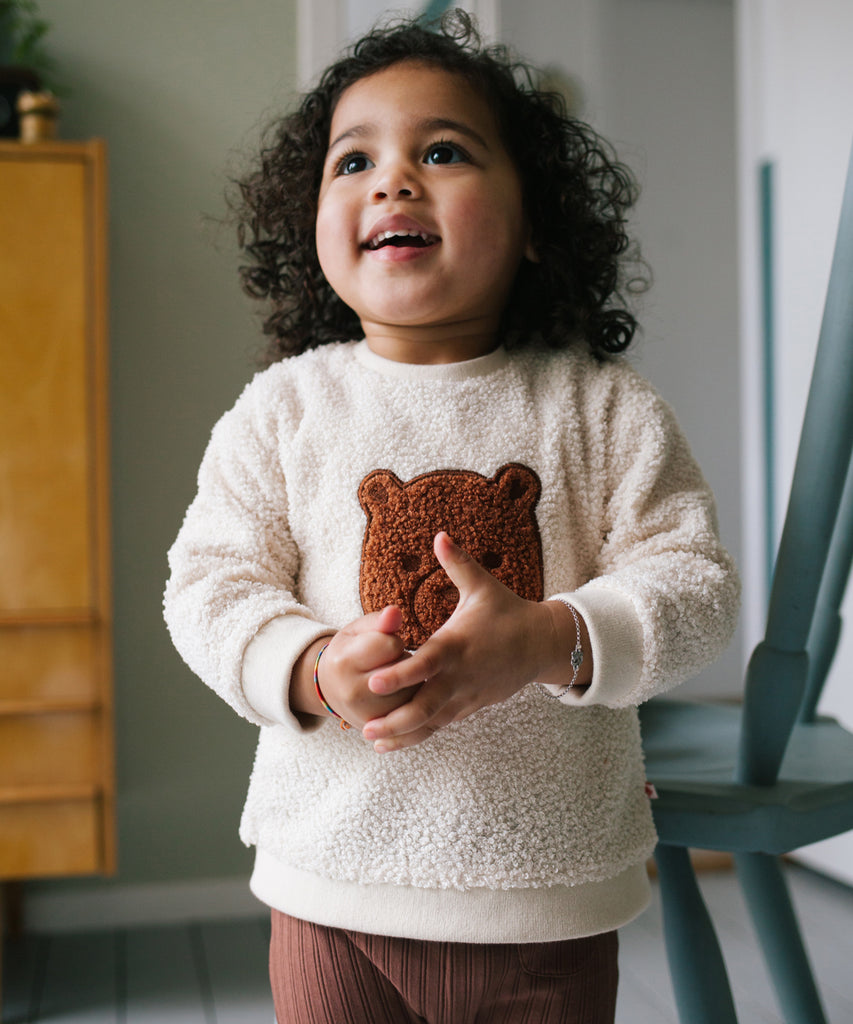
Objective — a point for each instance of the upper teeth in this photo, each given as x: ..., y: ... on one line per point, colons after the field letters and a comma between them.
x: 385, y: 235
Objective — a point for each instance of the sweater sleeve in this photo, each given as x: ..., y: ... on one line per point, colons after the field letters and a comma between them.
x: 664, y: 599
x: 234, y: 567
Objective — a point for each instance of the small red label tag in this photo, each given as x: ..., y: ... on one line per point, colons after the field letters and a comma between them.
x: 651, y: 792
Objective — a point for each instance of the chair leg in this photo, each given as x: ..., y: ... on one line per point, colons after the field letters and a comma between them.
x: 775, y: 922
x: 699, y: 979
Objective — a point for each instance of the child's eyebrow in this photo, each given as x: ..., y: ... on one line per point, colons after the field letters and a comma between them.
x: 439, y: 123
x: 357, y: 131
x: 429, y: 124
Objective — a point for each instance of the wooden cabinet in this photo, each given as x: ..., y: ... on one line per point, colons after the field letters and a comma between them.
x: 56, y: 747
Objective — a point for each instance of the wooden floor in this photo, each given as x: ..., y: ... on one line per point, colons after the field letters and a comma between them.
x: 215, y: 973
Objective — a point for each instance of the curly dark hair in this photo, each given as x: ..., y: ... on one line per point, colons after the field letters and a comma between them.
x: 576, y: 197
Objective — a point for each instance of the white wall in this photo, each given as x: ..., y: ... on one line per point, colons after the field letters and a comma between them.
x: 326, y: 26
x: 657, y: 77
x: 177, y: 90
x: 361, y: 15
x: 566, y: 36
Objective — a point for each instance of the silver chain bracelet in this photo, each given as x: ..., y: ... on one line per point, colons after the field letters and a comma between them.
x: 576, y: 658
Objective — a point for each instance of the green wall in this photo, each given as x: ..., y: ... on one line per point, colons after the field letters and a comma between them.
x: 178, y: 88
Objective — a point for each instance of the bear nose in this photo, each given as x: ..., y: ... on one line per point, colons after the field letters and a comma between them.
x: 434, y: 601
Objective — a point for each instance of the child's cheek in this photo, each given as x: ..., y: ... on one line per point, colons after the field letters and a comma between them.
x: 331, y: 249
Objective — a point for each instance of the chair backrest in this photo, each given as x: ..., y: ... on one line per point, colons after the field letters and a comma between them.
x: 826, y: 624
x: 778, y: 670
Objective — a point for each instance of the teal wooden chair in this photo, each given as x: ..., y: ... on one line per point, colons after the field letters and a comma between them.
x: 762, y: 780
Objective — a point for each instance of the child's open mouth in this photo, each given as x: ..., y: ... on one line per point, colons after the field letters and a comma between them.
x: 400, y: 239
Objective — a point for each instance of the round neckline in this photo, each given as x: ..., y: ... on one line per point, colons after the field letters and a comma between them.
x: 465, y: 370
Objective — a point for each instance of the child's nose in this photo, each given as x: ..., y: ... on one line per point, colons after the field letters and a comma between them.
x: 385, y: 192
x: 398, y: 182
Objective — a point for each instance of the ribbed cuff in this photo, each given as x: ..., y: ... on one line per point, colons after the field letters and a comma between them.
x: 268, y: 663
x: 616, y: 638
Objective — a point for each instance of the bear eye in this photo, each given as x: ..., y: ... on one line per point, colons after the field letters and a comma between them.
x: 491, y: 559
x: 411, y: 562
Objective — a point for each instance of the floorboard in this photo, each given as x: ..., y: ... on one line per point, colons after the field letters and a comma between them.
x: 78, y: 985
x: 162, y: 969
x: 820, y: 900
x: 645, y: 994
x: 751, y: 987
x: 21, y: 970
x: 236, y: 954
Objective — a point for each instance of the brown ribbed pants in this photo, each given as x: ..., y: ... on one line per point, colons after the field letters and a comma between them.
x: 328, y: 976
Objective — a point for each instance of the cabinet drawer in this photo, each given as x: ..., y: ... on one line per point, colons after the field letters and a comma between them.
x: 56, y: 663
x: 50, y: 838
x: 48, y: 749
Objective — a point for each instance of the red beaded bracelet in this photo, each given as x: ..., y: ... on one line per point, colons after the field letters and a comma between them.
x: 320, y: 697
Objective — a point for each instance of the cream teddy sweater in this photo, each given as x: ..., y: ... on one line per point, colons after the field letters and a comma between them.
x: 529, y: 820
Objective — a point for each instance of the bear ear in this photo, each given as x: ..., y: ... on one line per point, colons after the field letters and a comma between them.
x: 380, y: 488
x: 516, y: 484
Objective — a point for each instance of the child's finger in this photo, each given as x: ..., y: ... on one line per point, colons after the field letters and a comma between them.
x: 367, y: 644
x: 411, y: 739
x: 386, y: 746
x: 421, y: 665
x: 465, y: 573
x: 426, y: 662
x: 388, y: 621
x: 427, y: 712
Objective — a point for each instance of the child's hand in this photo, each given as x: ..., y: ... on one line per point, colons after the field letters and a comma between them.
x: 494, y: 643
x: 352, y: 656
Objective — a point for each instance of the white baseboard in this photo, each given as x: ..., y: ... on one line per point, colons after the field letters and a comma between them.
x: 127, y: 906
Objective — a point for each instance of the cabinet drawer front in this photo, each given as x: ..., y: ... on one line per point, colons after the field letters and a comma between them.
x: 44, y: 750
x: 49, y: 839
x: 45, y: 460
x: 50, y: 664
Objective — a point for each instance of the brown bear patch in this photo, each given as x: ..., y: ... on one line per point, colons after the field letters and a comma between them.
x: 493, y: 519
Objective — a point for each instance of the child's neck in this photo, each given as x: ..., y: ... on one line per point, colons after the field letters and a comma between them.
x: 431, y: 345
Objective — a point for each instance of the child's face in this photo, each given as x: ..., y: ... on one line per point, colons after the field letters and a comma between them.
x: 415, y: 154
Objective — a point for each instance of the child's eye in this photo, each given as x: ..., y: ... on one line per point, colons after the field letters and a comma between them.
x: 352, y: 163
x: 445, y: 153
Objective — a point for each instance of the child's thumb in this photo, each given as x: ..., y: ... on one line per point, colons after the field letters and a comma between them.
x: 462, y: 569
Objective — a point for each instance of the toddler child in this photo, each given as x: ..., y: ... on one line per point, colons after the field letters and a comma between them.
x: 443, y: 546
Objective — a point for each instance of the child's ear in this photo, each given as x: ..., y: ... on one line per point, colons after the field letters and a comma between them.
x: 529, y: 249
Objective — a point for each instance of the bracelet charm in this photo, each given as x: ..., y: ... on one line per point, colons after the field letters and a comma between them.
x: 576, y: 659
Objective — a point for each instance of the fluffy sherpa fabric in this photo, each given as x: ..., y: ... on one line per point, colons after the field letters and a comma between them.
x: 528, y: 820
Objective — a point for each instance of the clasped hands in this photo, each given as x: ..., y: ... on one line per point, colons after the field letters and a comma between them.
x: 493, y: 644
